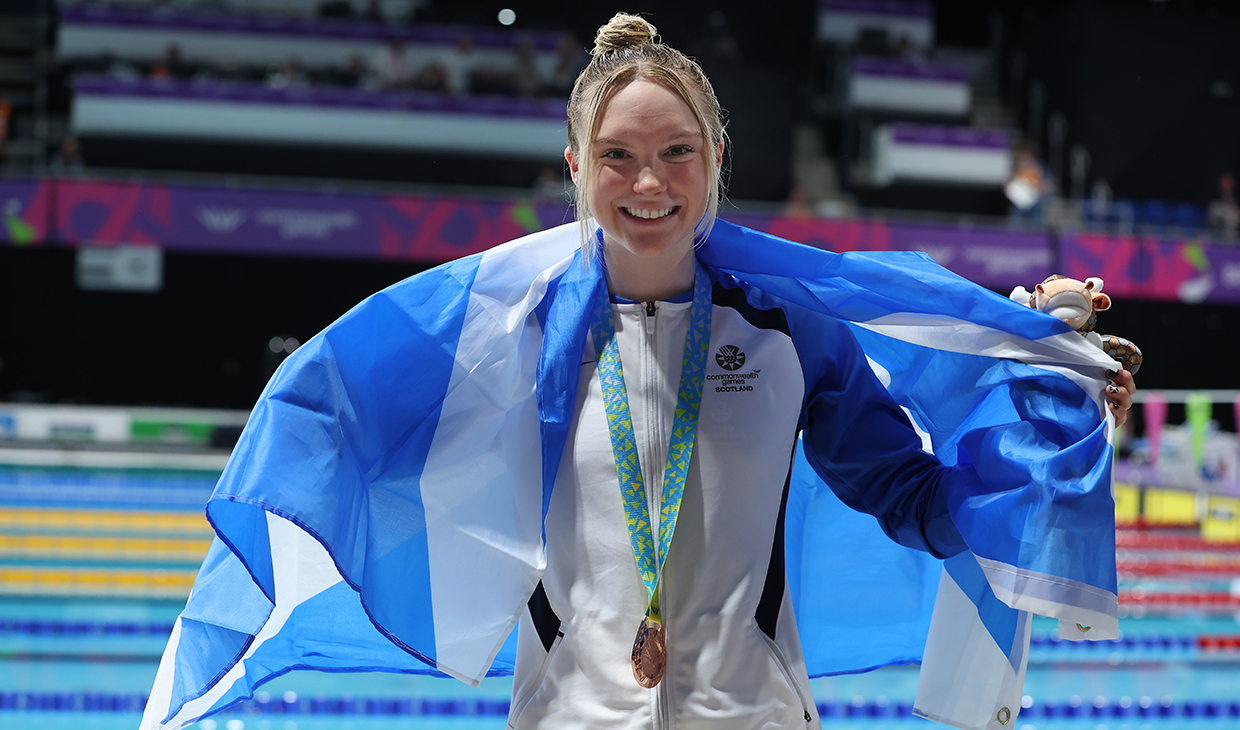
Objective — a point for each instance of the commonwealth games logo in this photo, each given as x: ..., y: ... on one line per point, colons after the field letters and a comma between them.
x: 730, y: 357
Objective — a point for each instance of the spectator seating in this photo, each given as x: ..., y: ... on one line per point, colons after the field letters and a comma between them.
x: 144, y: 36
x: 1113, y: 216
x: 1157, y: 218
x: 392, y: 9
x: 249, y: 112
x: 172, y: 74
x: 1189, y: 217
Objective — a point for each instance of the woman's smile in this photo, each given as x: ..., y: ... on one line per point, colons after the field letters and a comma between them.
x: 650, y: 214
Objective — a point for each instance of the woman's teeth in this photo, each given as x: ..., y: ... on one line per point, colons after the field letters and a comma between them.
x: 650, y: 214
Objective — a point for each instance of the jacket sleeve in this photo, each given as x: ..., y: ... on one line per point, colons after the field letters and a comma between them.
x: 863, y: 445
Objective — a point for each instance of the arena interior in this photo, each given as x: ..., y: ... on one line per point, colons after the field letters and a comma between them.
x: 190, y: 189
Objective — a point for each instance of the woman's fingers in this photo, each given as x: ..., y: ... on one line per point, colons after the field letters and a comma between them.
x: 1119, y: 394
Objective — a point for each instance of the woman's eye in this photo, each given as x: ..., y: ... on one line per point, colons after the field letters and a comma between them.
x: 679, y: 150
x: 614, y: 155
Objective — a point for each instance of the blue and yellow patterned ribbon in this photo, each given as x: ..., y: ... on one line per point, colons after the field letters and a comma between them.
x: 624, y: 442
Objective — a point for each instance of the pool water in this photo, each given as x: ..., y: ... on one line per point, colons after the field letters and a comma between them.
x: 95, y: 565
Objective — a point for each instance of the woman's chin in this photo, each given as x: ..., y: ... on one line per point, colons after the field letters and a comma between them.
x: 652, y: 247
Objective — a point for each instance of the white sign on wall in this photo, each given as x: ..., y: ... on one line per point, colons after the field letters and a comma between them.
x: 120, y: 268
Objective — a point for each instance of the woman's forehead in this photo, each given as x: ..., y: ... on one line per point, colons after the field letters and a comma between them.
x: 647, y: 110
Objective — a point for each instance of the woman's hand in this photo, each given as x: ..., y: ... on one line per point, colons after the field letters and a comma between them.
x: 1119, y: 393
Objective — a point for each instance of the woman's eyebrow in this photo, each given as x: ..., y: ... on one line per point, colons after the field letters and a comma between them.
x: 672, y: 138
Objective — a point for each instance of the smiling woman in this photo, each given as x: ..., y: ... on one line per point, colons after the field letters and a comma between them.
x: 634, y: 441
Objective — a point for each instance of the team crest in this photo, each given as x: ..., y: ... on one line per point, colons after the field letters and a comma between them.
x: 730, y: 357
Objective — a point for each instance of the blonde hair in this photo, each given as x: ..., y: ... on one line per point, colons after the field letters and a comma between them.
x: 626, y: 49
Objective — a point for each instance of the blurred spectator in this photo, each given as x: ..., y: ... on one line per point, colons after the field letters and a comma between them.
x: 798, y: 205
x: 6, y: 114
x: 432, y: 78
x: 460, y: 64
x: 1028, y: 188
x: 550, y: 185
x: 351, y: 75
x: 570, y: 58
x: 524, y: 79
x: 290, y: 75
x: 391, y: 67
x: 116, y: 68
x: 1098, y: 207
x: 904, y: 48
x: 336, y: 9
x: 374, y: 12
x: 68, y: 161
x: 171, y: 66
x: 1223, y: 215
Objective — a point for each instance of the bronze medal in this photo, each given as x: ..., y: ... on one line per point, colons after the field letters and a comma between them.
x: 649, y: 654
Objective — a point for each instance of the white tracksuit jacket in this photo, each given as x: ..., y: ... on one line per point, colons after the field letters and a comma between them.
x: 734, y: 656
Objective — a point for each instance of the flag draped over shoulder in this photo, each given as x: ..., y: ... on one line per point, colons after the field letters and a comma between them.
x: 383, y: 509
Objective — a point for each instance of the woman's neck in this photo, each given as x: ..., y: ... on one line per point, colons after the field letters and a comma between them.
x: 648, y: 278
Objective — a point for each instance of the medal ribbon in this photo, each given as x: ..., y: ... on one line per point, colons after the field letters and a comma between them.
x: 624, y: 442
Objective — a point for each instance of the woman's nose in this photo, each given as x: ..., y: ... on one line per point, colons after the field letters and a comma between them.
x: 648, y: 180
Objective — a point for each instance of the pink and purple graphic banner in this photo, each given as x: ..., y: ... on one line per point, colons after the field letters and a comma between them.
x: 995, y: 258
x: 206, y: 220
x: 23, y: 212
x: 434, y: 229
x: 1149, y: 268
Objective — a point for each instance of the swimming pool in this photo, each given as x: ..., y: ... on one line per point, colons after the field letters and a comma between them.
x: 96, y: 562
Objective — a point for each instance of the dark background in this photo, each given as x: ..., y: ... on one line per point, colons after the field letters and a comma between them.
x: 1143, y: 85
x: 1151, y: 89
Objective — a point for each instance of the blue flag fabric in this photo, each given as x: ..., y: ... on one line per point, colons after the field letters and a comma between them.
x: 383, y: 509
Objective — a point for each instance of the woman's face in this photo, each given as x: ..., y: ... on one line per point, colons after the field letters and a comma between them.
x: 649, y: 183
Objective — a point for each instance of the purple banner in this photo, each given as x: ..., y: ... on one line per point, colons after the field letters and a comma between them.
x: 993, y: 258
x: 998, y: 259
x: 184, y: 218
x: 435, y: 229
x: 23, y: 212
x: 1150, y: 268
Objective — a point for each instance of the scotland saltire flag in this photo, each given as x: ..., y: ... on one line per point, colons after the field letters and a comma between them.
x: 383, y: 509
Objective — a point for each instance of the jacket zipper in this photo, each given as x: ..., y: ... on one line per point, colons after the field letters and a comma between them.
x: 661, y: 717
x: 650, y: 405
x: 663, y: 713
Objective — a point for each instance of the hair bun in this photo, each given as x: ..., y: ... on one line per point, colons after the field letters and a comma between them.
x: 623, y: 31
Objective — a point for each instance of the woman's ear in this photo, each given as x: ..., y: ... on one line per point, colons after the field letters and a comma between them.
x: 572, y: 163
x: 719, y: 155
